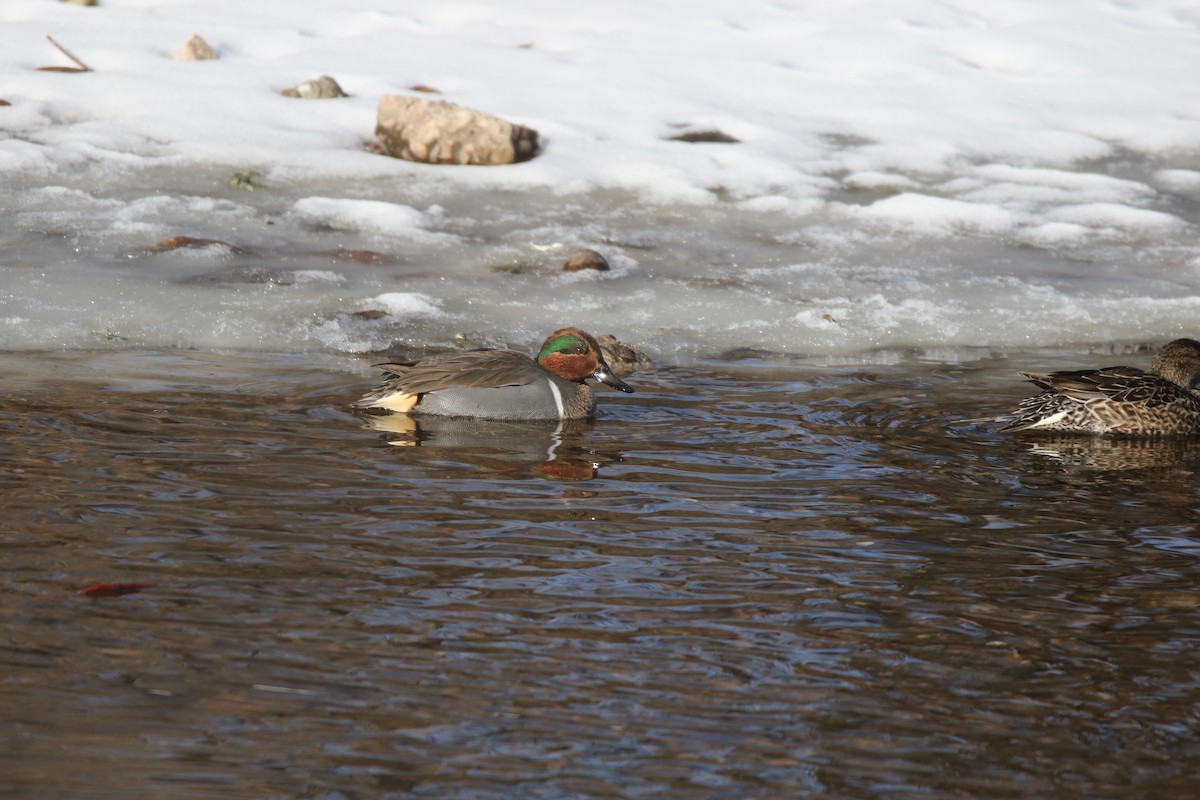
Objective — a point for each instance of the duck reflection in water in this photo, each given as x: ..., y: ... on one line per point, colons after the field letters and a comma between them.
x: 560, y: 450
x: 1116, y: 453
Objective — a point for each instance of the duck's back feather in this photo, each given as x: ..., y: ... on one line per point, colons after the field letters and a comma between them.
x: 470, y: 369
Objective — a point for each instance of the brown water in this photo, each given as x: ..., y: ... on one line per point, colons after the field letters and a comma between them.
x: 748, y: 580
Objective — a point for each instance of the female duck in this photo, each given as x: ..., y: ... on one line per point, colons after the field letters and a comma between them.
x: 1123, y: 400
x: 500, y: 384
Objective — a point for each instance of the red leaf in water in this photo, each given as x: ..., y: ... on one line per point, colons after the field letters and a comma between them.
x: 112, y: 589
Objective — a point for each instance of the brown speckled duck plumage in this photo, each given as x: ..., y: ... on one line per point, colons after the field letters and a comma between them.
x: 1119, y: 400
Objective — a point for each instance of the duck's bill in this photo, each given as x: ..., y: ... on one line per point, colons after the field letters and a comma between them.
x: 605, y: 376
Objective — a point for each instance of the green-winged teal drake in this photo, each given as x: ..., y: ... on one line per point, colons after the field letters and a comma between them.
x: 1120, y: 400
x: 500, y: 384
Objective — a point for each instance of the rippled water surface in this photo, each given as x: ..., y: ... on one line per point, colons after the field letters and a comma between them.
x: 749, y: 579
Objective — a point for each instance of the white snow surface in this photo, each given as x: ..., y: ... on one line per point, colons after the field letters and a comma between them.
x: 936, y: 174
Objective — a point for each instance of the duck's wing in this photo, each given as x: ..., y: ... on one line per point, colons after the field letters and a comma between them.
x: 475, y: 369
x: 1063, y: 405
x: 1047, y: 411
x: 405, y: 382
x: 1094, y: 384
x: 1150, y: 391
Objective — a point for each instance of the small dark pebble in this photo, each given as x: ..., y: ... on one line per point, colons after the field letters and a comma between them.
x: 712, y: 137
x: 585, y: 259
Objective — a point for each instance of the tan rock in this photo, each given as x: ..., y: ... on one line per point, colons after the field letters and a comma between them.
x: 439, y: 132
x: 195, y: 49
x: 81, y: 2
x: 322, y: 88
x: 585, y: 259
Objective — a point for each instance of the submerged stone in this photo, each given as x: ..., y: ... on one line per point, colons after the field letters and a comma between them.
x: 192, y: 243
x: 358, y: 256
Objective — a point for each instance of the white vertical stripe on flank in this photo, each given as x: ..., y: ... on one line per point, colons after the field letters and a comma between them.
x: 557, y: 399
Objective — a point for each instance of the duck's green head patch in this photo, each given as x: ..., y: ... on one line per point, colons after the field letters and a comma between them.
x: 568, y: 344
